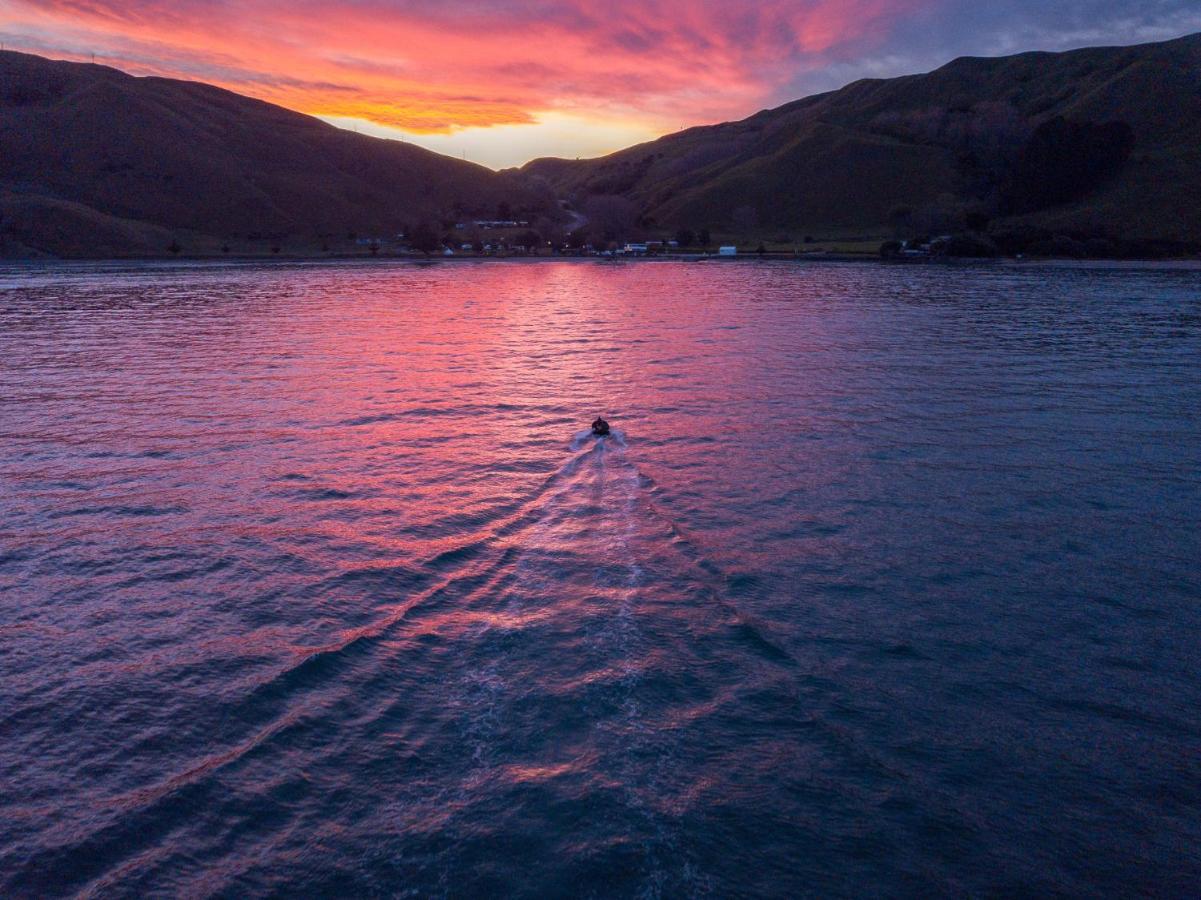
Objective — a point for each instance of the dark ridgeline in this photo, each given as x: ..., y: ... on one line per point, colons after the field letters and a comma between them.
x: 99, y: 163
x: 1101, y: 143
x: 1097, y: 148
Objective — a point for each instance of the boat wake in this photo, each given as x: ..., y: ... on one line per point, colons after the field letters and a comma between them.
x: 574, y: 647
x: 615, y: 438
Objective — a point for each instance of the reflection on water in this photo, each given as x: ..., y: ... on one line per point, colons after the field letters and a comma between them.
x: 313, y: 580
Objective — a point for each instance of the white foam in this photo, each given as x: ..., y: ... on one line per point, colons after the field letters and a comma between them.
x: 616, y: 437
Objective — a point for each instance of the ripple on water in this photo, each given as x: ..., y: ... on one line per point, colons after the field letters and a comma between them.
x: 313, y: 581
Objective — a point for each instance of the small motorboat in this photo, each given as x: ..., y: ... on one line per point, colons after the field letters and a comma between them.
x: 600, y: 427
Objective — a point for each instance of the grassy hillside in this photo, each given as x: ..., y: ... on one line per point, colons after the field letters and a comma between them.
x: 100, y: 163
x: 1023, y: 142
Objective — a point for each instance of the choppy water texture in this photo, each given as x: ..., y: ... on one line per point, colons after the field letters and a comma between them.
x: 311, y: 584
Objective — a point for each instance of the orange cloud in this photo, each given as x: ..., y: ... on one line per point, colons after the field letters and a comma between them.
x: 465, y: 64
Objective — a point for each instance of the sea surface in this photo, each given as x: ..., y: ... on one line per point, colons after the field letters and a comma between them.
x: 313, y: 581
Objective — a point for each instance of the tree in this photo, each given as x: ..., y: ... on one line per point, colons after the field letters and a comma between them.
x: 424, y: 239
x: 1059, y: 246
x: 611, y: 215
x: 503, y: 212
x: 173, y: 248
x: 530, y: 239
x: 685, y: 237
x: 704, y: 239
x: 549, y: 229
x: 971, y: 246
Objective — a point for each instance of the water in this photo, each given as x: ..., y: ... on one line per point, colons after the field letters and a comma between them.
x: 887, y: 583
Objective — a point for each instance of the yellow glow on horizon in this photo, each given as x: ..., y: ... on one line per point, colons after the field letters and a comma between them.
x: 504, y: 146
x: 498, y: 83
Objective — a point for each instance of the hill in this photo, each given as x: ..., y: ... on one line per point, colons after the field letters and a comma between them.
x: 100, y: 163
x: 1101, y: 143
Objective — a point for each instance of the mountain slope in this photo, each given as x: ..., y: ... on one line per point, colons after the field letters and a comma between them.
x: 97, y: 162
x: 962, y: 143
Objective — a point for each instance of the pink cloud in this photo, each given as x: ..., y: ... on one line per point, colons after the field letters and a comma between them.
x: 464, y: 64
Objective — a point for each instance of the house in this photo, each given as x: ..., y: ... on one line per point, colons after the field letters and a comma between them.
x: 637, y: 249
x: 727, y: 251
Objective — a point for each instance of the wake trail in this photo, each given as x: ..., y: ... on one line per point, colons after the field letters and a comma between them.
x: 479, y: 562
x: 579, y: 544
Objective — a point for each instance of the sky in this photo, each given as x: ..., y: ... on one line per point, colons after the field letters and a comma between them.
x: 505, y: 81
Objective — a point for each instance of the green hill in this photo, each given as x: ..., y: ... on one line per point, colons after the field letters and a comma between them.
x: 1101, y: 142
x: 99, y: 163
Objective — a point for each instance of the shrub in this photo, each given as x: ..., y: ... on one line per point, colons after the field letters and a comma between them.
x: 424, y: 238
x: 1020, y: 239
x: 1100, y: 248
x: 1059, y: 246
x: 970, y: 246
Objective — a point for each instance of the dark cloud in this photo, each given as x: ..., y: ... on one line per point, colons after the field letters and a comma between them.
x: 942, y: 30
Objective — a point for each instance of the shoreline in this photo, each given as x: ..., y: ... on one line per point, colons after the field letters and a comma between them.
x: 232, y: 259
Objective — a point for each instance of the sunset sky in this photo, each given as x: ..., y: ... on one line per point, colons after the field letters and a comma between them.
x: 502, y: 82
